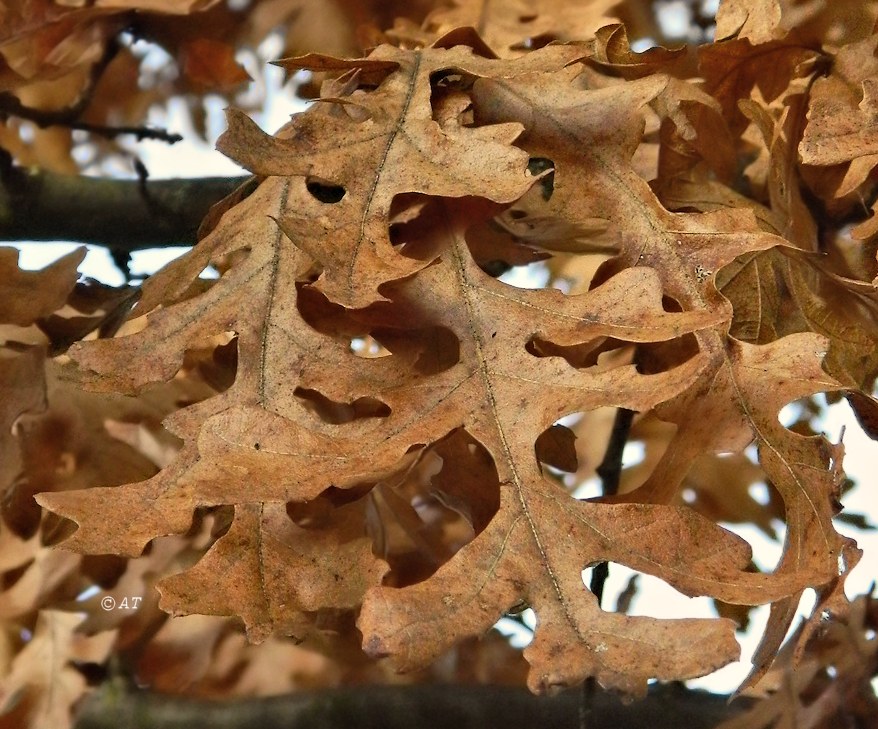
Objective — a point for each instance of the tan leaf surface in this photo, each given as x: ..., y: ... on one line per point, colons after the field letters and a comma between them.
x: 728, y: 407
x: 22, y: 390
x: 392, y: 132
x: 841, y: 114
x: 43, y: 684
x: 287, y: 443
x: 513, y: 27
x: 531, y: 509
x: 331, y: 566
x: 733, y: 69
x: 369, y: 418
x: 26, y: 296
x: 759, y: 21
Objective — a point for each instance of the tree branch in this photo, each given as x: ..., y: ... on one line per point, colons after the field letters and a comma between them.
x: 394, y: 707
x: 10, y: 105
x: 610, y: 471
x: 124, y: 215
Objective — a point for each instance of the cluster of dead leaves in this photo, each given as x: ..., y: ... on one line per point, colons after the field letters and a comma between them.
x: 359, y: 440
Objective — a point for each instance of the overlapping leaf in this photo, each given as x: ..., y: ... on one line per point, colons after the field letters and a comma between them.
x: 359, y: 231
x: 727, y: 407
x: 519, y: 557
x: 392, y: 145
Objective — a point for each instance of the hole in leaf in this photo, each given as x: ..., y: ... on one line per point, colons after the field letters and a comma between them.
x: 535, y: 42
x: 315, y: 514
x: 767, y: 550
x: 450, y: 79
x: 538, y: 165
x: 533, y: 276
x: 424, y: 516
x: 759, y: 493
x: 670, y: 304
x: 215, y: 362
x: 324, y: 190
x: 495, y: 267
x: 633, y: 454
x: 368, y: 347
x: 583, y: 355
x: 555, y: 447
x: 434, y: 349
x: 732, y: 489
x: 339, y: 412
x: 648, y: 596
x: 801, y: 416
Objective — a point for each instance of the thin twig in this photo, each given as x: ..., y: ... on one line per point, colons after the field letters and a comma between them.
x: 10, y: 105
x: 610, y: 471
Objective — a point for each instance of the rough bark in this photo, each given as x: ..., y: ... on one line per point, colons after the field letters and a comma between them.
x: 402, y: 707
x: 124, y: 215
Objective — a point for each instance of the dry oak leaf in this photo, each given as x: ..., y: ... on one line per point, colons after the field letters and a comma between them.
x: 26, y: 296
x: 595, y: 132
x: 591, y: 136
x: 251, y: 432
x: 360, y: 151
x: 274, y: 570
x: 42, y: 39
x: 733, y: 69
x: 821, y: 301
x: 842, y: 110
x: 22, y: 390
x: 759, y: 21
x: 698, y: 126
x: 514, y: 27
x: 611, y: 50
x: 43, y: 684
x: 740, y: 403
x: 805, y: 470
x: 165, y: 504
x: 258, y: 428
x: 519, y: 556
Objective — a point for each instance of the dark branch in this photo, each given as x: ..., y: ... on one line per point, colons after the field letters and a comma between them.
x: 124, y: 215
x: 11, y: 106
x: 610, y: 471
x: 394, y: 707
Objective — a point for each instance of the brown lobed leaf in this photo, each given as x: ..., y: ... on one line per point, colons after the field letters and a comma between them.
x: 382, y: 439
x: 26, y: 296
